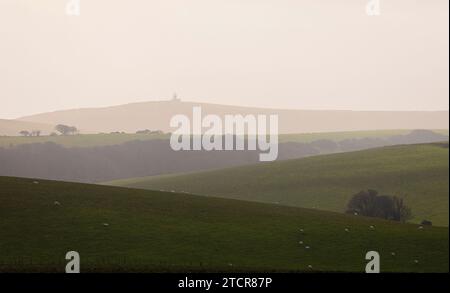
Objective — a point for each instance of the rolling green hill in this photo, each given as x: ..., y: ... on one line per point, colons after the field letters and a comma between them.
x: 156, y: 231
x: 419, y: 173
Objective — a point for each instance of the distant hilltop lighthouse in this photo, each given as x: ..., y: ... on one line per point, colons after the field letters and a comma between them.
x: 175, y: 98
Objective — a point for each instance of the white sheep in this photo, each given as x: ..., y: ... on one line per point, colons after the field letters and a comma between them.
x: 105, y: 224
x: 301, y: 230
x: 393, y: 253
x: 35, y: 182
x: 420, y: 227
x: 300, y: 242
x: 416, y: 261
x: 56, y: 203
x: 310, y: 266
x: 372, y: 227
x: 307, y: 247
x: 346, y: 230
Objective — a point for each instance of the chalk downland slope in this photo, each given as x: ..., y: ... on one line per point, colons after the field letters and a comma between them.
x: 419, y: 173
x: 156, y: 116
x: 120, y: 229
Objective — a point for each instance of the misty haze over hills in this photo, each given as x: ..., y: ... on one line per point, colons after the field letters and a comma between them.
x: 155, y: 157
x: 157, y: 115
x: 291, y: 54
x: 354, y: 179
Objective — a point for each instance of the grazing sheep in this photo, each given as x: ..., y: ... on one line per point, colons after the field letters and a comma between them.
x: 35, y: 182
x: 56, y: 203
x: 307, y: 247
x: 372, y: 227
x: 347, y: 230
x: 356, y: 213
x: 310, y: 266
x: 416, y: 261
x: 301, y: 230
x: 393, y: 253
x: 420, y: 227
x: 105, y: 224
x: 300, y: 242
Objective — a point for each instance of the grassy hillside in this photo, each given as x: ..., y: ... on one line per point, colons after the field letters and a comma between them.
x: 157, y: 114
x: 419, y: 173
x: 157, y: 231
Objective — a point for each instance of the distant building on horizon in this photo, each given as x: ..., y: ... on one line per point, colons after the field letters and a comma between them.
x: 175, y: 98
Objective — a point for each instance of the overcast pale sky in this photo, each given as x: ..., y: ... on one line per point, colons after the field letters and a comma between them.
x: 305, y: 54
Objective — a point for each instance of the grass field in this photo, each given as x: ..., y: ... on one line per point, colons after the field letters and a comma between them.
x: 419, y: 173
x: 90, y: 140
x: 156, y: 232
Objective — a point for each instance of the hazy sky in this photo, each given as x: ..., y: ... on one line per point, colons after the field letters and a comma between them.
x: 306, y: 54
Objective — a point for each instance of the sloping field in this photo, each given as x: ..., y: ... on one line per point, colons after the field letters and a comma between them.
x: 157, y: 231
x: 418, y: 173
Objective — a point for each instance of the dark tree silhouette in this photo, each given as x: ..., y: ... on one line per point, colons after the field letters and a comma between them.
x: 368, y: 203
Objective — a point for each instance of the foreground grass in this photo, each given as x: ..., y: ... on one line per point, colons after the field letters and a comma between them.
x: 158, y: 232
x: 418, y: 173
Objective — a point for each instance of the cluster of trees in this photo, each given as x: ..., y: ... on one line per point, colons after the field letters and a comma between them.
x: 66, y: 130
x: 155, y: 157
x: 132, y: 159
x: 370, y: 204
x: 61, y: 128
x: 30, y: 133
x: 104, y: 163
